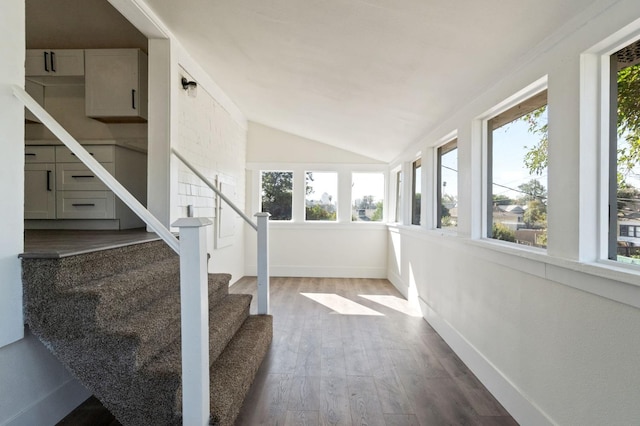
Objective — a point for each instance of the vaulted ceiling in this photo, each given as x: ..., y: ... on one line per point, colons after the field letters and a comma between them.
x: 369, y: 76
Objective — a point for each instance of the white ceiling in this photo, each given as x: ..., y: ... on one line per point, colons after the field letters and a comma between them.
x: 369, y: 76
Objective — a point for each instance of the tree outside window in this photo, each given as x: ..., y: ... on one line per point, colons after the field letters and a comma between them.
x: 277, y: 194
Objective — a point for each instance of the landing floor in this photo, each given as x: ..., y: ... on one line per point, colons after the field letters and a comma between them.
x: 61, y: 243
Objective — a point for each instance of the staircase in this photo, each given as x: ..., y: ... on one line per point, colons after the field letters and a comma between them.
x: 112, y: 317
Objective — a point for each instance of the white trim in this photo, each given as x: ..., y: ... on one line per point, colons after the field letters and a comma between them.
x: 53, y: 407
x: 142, y: 17
x: 329, y: 271
x: 521, y: 409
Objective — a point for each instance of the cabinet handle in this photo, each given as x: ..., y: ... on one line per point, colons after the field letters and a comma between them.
x: 53, y: 61
x: 82, y: 176
x: 46, y: 61
x: 75, y: 155
x: 31, y: 154
x: 83, y: 205
x: 133, y: 98
x: 48, y: 180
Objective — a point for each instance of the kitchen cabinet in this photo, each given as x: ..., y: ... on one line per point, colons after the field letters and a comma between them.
x: 116, y: 85
x: 58, y: 186
x: 55, y: 66
x: 39, y: 183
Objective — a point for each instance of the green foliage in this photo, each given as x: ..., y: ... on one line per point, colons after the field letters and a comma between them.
x: 536, y: 214
x: 502, y: 200
x: 377, y: 214
x: 502, y: 232
x: 629, y: 119
x: 532, y: 190
x: 319, y: 212
x: 536, y: 159
x: 277, y: 188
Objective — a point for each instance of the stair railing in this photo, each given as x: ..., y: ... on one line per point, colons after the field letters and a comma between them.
x: 262, y: 227
x: 192, y: 249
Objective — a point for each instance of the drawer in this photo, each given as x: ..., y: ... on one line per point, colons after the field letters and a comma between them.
x: 102, y: 153
x: 77, y: 177
x: 85, y: 205
x: 39, y: 154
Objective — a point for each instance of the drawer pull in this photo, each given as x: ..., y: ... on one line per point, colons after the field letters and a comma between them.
x: 75, y: 154
x: 32, y: 154
x: 82, y: 176
x: 83, y: 205
x: 48, y: 180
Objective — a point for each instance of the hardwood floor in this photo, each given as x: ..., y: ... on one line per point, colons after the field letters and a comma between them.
x: 352, y: 352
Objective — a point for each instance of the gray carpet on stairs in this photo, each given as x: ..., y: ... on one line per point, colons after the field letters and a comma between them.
x: 113, y: 319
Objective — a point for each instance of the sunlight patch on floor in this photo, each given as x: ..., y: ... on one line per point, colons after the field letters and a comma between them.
x: 341, y: 305
x: 396, y: 303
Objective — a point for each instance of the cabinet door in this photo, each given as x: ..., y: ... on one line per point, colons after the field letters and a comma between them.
x: 39, y: 191
x: 52, y: 62
x: 113, y: 87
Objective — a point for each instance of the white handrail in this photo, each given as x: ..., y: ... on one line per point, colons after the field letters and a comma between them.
x: 93, y: 165
x: 216, y: 190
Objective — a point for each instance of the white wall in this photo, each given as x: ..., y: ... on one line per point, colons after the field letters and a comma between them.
x: 299, y: 248
x: 35, y: 388
x: 554, y: 335
x: 214, y: 141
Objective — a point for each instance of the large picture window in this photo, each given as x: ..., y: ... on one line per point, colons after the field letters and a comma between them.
x: 517, y: 173
x: 277, y: 194
x: 624, y: 153
x: 321, y: 196
x: 447, y: 190
x: 367, y: 197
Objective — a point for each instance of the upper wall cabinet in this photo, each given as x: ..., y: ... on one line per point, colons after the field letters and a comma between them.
x: 55, y: 66
x: 116, y: 85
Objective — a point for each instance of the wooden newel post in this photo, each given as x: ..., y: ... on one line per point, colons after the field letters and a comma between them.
x: 194, y: 301
x: 263, y: 262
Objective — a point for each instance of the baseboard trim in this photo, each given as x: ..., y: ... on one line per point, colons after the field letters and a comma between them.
x: 53, y: 407
x: 521, y: 409
x: 322, y: 271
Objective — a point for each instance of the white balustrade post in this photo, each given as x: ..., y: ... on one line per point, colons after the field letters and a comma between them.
x: 194, y: 301
x: 263, y: 262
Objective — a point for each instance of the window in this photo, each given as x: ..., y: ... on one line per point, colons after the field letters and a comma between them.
x: 276, y: 194
x: 321, y: 196
x: 517, y: 172
x: 367, y: 197
x: 624, y: 154
x: 417, y: 192
x: 447, y: 191
x: 398, y: 217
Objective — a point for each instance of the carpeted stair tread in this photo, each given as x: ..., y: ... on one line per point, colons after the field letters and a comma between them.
x: 78, y: 269
x: 233, y: 372
x: 225, y: 319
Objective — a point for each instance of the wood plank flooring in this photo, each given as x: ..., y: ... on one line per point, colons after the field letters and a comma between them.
x: 353, y: 352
